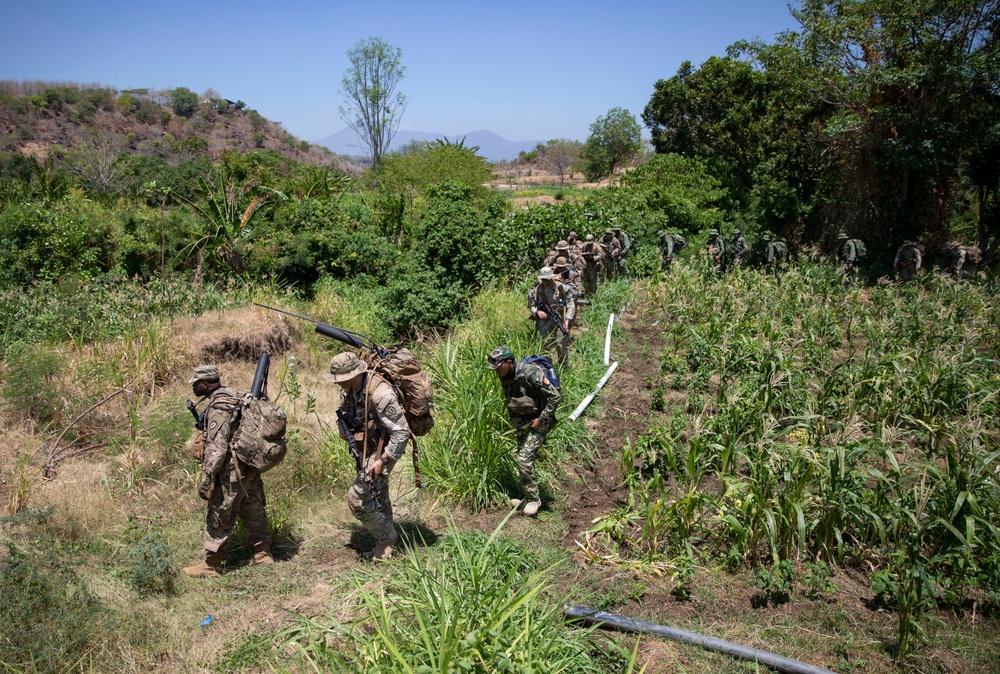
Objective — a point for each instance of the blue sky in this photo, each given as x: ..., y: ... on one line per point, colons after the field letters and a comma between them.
x: 525, y: 70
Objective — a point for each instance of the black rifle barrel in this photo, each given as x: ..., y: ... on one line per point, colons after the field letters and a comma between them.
x: 259, y: 387
x: 358, y: 461
x: 325, y: 329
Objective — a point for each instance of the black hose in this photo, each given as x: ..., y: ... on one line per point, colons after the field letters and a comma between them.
x: 778, y: 662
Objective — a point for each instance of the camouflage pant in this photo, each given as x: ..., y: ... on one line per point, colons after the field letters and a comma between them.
x: 528, y: 442
x: 361, y: 500
x: 590, y: 280
x: 554, y: 340
x: 228, y: 502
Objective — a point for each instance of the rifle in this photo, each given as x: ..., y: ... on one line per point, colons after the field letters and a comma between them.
x: 358, y: 459
x: 554, y: 316
x: 199, y: 420
x: 346, y: 336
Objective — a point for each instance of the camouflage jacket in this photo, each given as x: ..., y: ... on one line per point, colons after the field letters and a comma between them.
x: 219, y: 419
x: 556, y: 296
x: 374, y: 411
x: 612, y: 249
x: 529, y: 383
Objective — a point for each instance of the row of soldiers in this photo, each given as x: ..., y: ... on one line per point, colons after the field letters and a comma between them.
x: 568, y: 277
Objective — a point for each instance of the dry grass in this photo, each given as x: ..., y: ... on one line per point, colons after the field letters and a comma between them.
x: 237, y: 335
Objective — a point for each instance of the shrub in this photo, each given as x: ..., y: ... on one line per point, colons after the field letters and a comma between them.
x: 151, y: 566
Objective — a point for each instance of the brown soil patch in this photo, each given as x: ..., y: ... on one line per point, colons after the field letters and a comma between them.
x: 238, y: 334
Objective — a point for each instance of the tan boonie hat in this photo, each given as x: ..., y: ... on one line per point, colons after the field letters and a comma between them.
x: 345, y: 366
x: 206, y: 373
x: 545, y: 274
x: 561, y: 263
x: 562, y: 245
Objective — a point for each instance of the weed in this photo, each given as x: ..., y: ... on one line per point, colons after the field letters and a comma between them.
x: 818, y: 580
x: 151, y: 566
x: 774, y: 584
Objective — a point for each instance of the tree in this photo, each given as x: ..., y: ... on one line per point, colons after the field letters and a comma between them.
x: 614, y: 139
x: 561, y: 153
x: 183, y: 101
x: 373, y: 108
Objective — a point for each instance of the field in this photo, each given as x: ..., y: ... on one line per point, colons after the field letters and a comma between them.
x: 816, y: 479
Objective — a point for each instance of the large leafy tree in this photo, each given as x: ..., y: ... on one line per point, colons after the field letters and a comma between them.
x: 614, y: 139
x: 372, y: 107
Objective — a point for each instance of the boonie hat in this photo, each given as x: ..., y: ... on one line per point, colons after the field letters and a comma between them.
x: 590, y: 237
x: 561, y: 263
x: 713, y: 232
x: 545, y: 274
x: 206, y: 373
x: 499, y: 355
x: 609, y: 231
x: 346, y: 366
x: 562, y: 245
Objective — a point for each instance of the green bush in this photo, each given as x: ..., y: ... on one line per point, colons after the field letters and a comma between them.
x: 151, y: 566
x: 33, y: 388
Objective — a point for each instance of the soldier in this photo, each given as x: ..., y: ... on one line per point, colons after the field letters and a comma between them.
x: 570, y: 279
x: 531, y: 405
x: 740, y: 248
x: 849, y: 252
x: 909, y: 259
x: 771, y: 253
x: 575, y: 246
x: 562, y: 250
x: 716, y: 247
x: 670, y: 245
x: 232, y: 490
x: 375, y: 417
x: 591, y: 265
x: 960, y: 260
x: 553, y: 307
x: 612, y: 252
x: 624, y: 240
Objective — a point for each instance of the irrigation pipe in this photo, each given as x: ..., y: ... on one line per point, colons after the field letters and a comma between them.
x: 607, y: 341
x: 781, y: 663
x: 586, y: 401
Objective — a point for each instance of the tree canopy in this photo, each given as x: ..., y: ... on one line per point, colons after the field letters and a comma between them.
x: 372, y: 107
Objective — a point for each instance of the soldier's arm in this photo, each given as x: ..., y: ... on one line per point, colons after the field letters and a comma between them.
x: 392, y: 418
x: 218, y: 431
x: 533, y: 302
x: 569, y: 297
x: 537, y: 378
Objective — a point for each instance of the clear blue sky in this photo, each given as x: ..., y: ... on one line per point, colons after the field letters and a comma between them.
x: 525, y: 70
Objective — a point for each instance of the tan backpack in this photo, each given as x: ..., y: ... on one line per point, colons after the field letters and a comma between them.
x: 401, y: 369
x: 260, y: 439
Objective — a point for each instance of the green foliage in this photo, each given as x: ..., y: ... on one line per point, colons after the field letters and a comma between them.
x: 372, y: 107
x: 476, y: 604
x: 183, y: 101
x: 151, y: 566
x: 818, y: 580
x: 427, y: 165
x: 33, y: 384
x: 614, y: 139
x: 775, y: 583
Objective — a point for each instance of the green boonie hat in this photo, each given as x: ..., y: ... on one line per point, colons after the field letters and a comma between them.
x: 660, y: 234
x: 345, y: 366
x: 206, y: 373
x: 736, y: 232
x: 617, y: 228
x: 609, y: 231
x: 562, y: 245
x: 561, y: 263
x: 766, y: 237
x: 842, y: 235
x: 545, y: 274
x: 713, y: 232
x: 499, y: 355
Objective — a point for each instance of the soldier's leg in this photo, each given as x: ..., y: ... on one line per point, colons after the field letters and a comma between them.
x: 361, y: 501
x: 526, y: 462
x: 253, y: 511
x: 221, y: 519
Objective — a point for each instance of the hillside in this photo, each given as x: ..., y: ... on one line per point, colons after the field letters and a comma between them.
x: 39, y: 117
x: 491, y: 146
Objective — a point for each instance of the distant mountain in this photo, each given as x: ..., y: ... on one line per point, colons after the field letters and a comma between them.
x: 491, y: 146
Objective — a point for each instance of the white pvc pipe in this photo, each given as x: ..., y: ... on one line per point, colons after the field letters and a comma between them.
x: 586, y: 401
x: 607, y: 341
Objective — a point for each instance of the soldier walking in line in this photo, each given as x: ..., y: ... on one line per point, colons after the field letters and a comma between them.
x: 772, y: 253
x: 532, y: 400
x: 612, y: 252
x: 741, y: 250
x: 849, y: 252
x: 670, y: 246
x: 908, y: 261
x: 378, y: 424
x: 961, y: 261
x: 717, y: 251
x: 232, y: 490
x: 552, y: 307
x: 570, y: 278
x: 592, y: 255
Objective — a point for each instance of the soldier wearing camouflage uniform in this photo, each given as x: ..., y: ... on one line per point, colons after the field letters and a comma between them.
x: 231, y: 489
x: 716, y: 248
x: 591, y: 265
x: 612, y: 253
x: 961, y: 261
x: 575, y: 245
x: 531, y: 405
x: 378, y: 423
x: 909, y: 259
x: 570, y: 278
x: 668, y: 249
x: 740, y: 248
x: 848, y: 252
x: 771, y: 254
x: 546, y: 298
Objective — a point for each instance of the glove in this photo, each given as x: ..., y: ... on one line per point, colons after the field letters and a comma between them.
x: 198, y: 447
x: 206, y: 487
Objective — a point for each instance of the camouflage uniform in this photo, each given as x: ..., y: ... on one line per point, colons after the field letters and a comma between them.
x: 612, y: 253
x: 771, y: 254
x: 909, y: 259
x: 960, y: 260
x: 549, y: 295
x: 377, y: 420
x: 716, y: 248
x: 530, y: 395
x: 848, y: 253
x: 668, y: 249
x: 740, y: 248
x: 591, y: 265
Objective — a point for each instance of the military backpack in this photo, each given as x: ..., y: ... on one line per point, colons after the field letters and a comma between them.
x: 402, y: 370
x: 259, y: 441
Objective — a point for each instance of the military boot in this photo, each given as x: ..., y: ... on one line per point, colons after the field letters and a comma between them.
x: 515, y: 503
x: 383, y: 548
x: 262, y: 555
x: 531, y: 508
x: 210, y: 568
